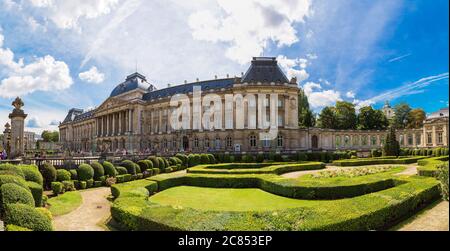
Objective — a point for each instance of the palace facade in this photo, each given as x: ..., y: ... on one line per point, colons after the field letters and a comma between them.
x: 136, y: 117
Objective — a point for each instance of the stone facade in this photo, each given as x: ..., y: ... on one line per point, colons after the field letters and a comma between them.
x: 136, y: 117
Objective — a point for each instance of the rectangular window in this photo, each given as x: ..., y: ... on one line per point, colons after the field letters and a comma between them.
x: 440, y: 137
x: 429, y: 138
x: 418, y: 139
x: 280, y: 120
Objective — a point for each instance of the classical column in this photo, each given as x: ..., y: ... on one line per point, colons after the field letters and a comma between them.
x: 160, y: 121
x: 129, y: 120
x: 120, y: 123
x: 113, y: 124
x: 444, y: 136
x: 433, y: 136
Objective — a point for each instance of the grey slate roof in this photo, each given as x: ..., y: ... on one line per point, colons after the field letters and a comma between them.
x: 72, y: 114
x: 264, y: 69
x: 132, y: 82
x: 186, y: 88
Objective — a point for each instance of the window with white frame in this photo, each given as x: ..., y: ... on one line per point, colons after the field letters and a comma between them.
x: 195, y: 142
x: 229, y: 141
x: 266, y: 141
x: 280, y: 141
x: 217, y: 143
x: 252, y: 141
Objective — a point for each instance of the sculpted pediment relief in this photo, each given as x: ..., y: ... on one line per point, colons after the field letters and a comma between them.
x: 111, y: 103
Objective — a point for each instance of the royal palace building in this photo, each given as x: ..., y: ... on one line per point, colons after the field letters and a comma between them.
x: 136, y: 118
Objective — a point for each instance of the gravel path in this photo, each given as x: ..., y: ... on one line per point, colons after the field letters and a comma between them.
x: 433, y: 218
x: 411, y: 170
x: 94, y: 209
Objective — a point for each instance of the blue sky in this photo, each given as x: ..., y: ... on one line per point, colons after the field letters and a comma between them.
x: 59, y: 54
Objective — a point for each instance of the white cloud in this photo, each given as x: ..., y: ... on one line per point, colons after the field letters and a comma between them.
x: 350, y: 94
x: 33, y: 122
x: 318, y: 97
x: 92, y: 76
x: 289, y: 65
x: 248, y: 26
x: 44, y: 74
x: 66, y: 14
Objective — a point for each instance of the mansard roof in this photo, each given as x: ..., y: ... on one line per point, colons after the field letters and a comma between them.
x: 264, y: 69
x: 75, y: 115
x: 132, y: 82
x: 186, y: 88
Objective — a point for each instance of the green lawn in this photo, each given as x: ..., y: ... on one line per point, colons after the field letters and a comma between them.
x: 65, y: 203
x: 224, y: 199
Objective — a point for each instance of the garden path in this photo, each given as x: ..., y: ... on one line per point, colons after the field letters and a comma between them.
x: 432, y: 218
x: 88, y: 216
x: 411, y: 170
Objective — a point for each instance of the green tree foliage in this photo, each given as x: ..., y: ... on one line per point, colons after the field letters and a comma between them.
x: 391, y: 147
x: 327, y: 117
x: 371, y: 119
x: 416, y: 118
x: 48, y: 136
x: 346, y: 115
x: 401, y: 117
x: 305, y: 115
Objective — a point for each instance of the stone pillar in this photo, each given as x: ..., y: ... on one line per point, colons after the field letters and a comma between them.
x: 113, y: 124
x: 17, y: 117
x: 120, y: 123
x: 160, y: 121
x: 130, y: 129
x: 433, y: 136
x: 444, y: 135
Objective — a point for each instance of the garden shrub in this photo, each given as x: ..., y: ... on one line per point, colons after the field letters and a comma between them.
x: 89, y: 183
x: 301, y: 156
x: 10, y: 169
x: 161, y: 163
x: 204, y: 158
x: 193, y: 160
x: 168, y: 170
x: 57, y: 188
x: 375, y: 153
x: 62, y: 175
x: 156, y: 171
x: 83, y: 185
x: 45, y: 212
x: 442, y: 176
x: 154, y: 161
x: 48, y: 172
x: 376, y: 161
x: 149, y: 163
x: 37, y: 192
x: 68, y: 185
x: 183, y: 158
x: 121, y: 170
x: 226, y: 158
x: 85, y: 172
x: 109, y: 169
x: 11, y: 193
x: 73, y: 174
x: 76, y: 183
x: 31, y: 173
x: 99, y: 171
x: 147, y: 173
x: 123, y: 178
x: 14, y: 228
x: 44, y: 200
x: 212, y: 159
x: 98, y: 183
x: 260, y: 158
x: 130, y: 166
x: 6, y: 178
x: 28, y: 217
x: 140, y: 188
x: 143, y: 165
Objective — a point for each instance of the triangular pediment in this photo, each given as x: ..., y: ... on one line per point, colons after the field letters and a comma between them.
x: 111, y: 103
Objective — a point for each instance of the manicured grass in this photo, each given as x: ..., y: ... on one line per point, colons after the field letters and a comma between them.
x: 223, y: 199
x: 256, y: 168
x: 377, y: 161
x: 65, y: 203
x: 428, y: 167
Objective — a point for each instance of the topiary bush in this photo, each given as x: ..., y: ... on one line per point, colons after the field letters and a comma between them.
x: 130, y: 166
x: 68, y: 185
x: 37, y: 191
x: 204, y: 158
x: 10, y: 169
x: 183, y: 158
x: 109, y: 169
x: 85, y: 172
x: 11, y: 193
x: 99, y: 171
x: 168, y: 170
x: 121, y: 170
x: 89, y: 183
x: 62, y: 175
x: 161, y: 163
x: 14, y: 228
x: 31, y: 173
x: 4, y: 179
x: 28, y: 217
x: 83, y: 185
x: 48, y: 172
x: 443, y: 178
x: 143, y: 165
x: 73, y: 174
x: 57, y: 188
x: 154, y: 161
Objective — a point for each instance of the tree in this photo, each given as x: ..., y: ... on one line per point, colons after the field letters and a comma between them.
x: 346, y: 115
x: 370, y: 119
x: 391, y: 146
x: 400, y: 119
x: 48, y: 136
x: 327, y: 118
x: 416, y: 118
x: 305, y: 115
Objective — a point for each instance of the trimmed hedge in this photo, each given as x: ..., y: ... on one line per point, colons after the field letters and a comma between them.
x: 10, y: 169
x: 62, y: 175
x: 4, y: 179
x: 376, y: 161
x: 134, y: 188
x: 11, y: 193
x: 14, y: 228
x: 31, y: 173
x: 99, y: 171
x: 37, y: 191
x: 130, y: 166
x: 48, y: 171
x: 374, y: 211
x: 260, y: 168
x: 121, y: 170
x: 109, y: 169
x: 154, y: 161
x: 85, y: 172
x: 428, y: 167
x: 57, y: 188
x: 28, y: 217
x: 73, y: 174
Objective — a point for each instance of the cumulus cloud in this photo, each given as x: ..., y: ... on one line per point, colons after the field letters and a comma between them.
x: 248, y: 26
x: 92, y: 76
x: 54, y: 123
x: 33, y: 123
x: 43, y: 74
x: 350, y: 94
x: 294, y: 67
x: 66, y: 14
x: 318, y: 97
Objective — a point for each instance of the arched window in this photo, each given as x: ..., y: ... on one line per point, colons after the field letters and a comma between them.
x: 346, y: 140
x: 252, y: 141
x: 280, y: 141
x: 383, y: 139
x: 410, y: 139
x: 229, y: 141
x: 206, y: 143
x: 364, y: 140
x: 355, y: 140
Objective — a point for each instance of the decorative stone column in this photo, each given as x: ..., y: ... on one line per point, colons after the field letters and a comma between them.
x: 17, y: 129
